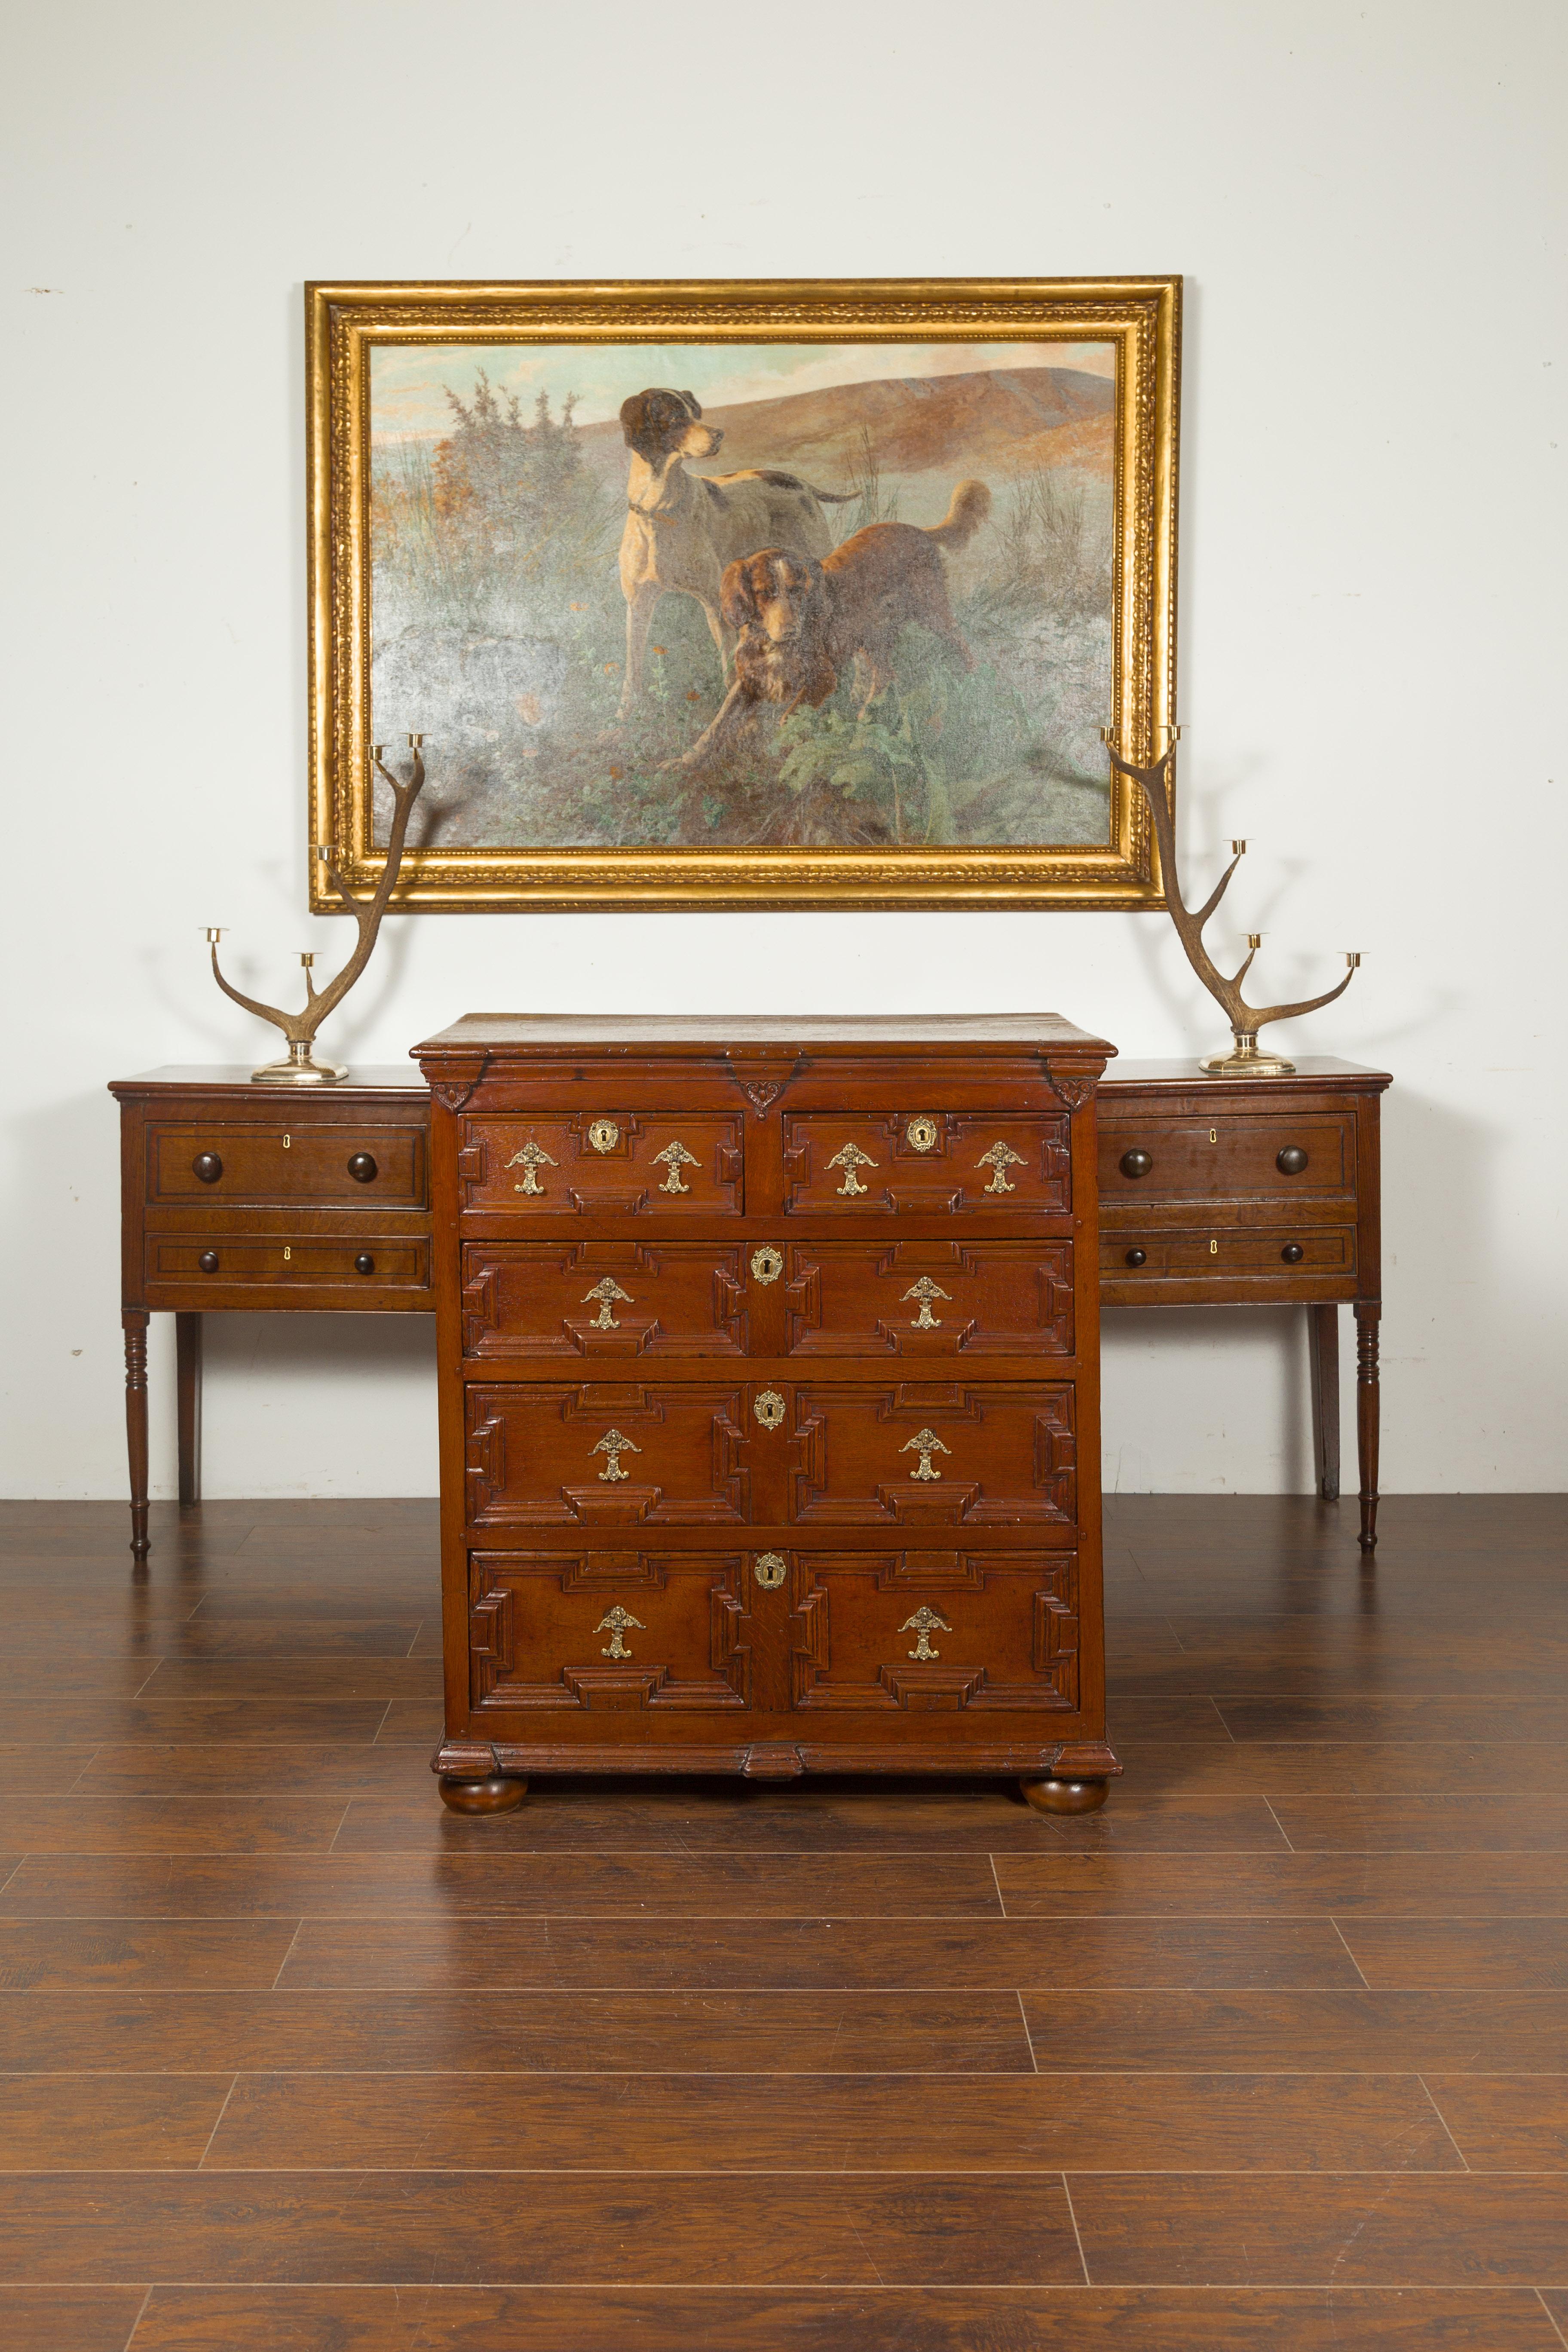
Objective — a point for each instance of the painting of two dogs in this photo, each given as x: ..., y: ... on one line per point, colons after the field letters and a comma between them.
x: 788, y: 612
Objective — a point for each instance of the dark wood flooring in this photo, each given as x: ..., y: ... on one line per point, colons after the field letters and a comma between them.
x: 1271, y: 2052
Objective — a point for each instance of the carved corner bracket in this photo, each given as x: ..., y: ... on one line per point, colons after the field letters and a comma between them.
x: 1072, y: 1088
x: 763, y: 1083
x: 457, y: 1082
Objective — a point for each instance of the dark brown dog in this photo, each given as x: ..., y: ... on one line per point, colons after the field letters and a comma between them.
x: 798, y: 621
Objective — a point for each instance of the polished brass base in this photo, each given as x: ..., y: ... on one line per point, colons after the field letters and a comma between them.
x: 299, y: 1070
x: 1244, y: 1061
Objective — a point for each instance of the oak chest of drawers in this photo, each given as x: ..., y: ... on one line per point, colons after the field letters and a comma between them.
x: 769, y: 1397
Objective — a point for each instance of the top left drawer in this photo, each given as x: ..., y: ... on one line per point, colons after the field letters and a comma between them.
x: 346, y: 1163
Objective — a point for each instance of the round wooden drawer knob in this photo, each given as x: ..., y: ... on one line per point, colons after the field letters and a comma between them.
x: 1291, y: 1161
x: 363, y: 1168
x: 208, y: 1261
x: 1136, y: 1257
x: 206, y: 1167
x: 1293, y: 1253
x: 1136, y: 1162
x: 364, y: 1263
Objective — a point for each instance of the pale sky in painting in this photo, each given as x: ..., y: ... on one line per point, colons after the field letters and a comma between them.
x: 407, y: 395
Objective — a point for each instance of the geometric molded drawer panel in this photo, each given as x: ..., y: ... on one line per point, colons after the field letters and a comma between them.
x: 607, y: 1631
x: 298, y: 1164
x: 858, y: 1164
x: 570, y: 1299
x: 929, y: 1298
x: 606, y: 1455
x: 998, y: 1452
x: 930, y: 1630
x: 603, y: 1164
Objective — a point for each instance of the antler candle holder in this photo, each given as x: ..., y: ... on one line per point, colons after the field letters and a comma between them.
x: 1244, y: 1060
x: 300, y: 1068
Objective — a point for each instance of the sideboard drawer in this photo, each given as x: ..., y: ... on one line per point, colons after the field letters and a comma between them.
x: 359, y: 1262
x: 1000, y: 1453
x: 606, y: 1455
x: 1253, y: 1155
x: 563, y: 1299
x: 607, y: 1629
x: 927, y: 1630
x: 928, y: 1298
x: 974, y: 1163
x: 305, y: 1164
x: 601, y: 1163
x: 1127, y: 1258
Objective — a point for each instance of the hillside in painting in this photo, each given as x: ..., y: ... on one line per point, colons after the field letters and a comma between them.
x: 499, y: 626
x: 979, y: 423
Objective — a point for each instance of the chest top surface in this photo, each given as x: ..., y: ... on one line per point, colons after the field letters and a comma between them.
x: 504, y: 1036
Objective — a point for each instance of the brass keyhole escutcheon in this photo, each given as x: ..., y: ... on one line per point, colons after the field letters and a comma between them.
x: 770, y: 1570
x: 769, y: 1407
x: 288, y: 1253
x: 603, y: 1134
x: 1213, y: 1134
x: 767, y: 1264
x: 288, y: 1141
x: 921, y: 1134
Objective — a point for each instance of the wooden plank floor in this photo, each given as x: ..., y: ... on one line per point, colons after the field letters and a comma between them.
x: 1272, y: 2052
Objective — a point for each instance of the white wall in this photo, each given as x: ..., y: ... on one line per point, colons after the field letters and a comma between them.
x: 1367, y: 201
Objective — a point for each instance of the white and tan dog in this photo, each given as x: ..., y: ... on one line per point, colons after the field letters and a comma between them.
x: 683, y: 530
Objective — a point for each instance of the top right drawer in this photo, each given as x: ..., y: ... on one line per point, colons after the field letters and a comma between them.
x: 1254, y: 1155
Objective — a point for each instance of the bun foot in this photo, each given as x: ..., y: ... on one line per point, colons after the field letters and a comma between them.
x: 496, y: 1795
x: 1065, y: 1796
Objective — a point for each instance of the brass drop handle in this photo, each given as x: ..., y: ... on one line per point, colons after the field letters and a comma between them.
x: 363, y: 1168
x: 1136, y: 1162
x: 1293, y: 1253
x: 1136, y: 1257
x: 208, y: 1261
x: 206, y: 1167
x: 1291, y: 1161
x: 364, y: 1263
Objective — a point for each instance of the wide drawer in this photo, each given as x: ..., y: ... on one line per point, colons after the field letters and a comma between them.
x: 607, y: 1629
x: 538, y: 1300
x: 925, y: 1299
x: 358, y: 1262
x: 351, y: 1165
x: 848, y: 1164
x: 1126, y: 1256
x: 713, y: 1453
x: 604, y: 1162
x: 780, y: 1629
x: 1253, y: 1155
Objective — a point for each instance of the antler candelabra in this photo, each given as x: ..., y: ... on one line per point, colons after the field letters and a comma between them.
x: 1244, y: 1060
x: 300, y: 1068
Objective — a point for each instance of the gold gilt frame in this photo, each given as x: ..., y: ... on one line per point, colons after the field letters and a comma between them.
x: 1140, y: 316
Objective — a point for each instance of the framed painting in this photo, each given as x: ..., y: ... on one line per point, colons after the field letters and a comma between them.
x: 724, y: 594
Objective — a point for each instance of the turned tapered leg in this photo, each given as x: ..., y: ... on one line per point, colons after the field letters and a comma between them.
x: 1324, y: 1327
x: 1368, y: 1313
x: 134, y: 1325
x: 188, y: 1372
x: 495, y: 1795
